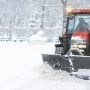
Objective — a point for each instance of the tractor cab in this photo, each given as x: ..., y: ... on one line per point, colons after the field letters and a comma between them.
x: 77, y: 34
x: 73, y: 51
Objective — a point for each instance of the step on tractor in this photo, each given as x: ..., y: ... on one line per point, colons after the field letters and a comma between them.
x: 73, y: 51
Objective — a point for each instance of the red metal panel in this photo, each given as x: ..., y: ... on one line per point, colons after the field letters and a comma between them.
x: 83, y: 35
x: 80, y: 11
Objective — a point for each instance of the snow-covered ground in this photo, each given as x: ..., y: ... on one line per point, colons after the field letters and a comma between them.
x: 21, y: 68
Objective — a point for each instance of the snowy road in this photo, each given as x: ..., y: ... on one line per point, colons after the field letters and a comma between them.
x: 21, y: 68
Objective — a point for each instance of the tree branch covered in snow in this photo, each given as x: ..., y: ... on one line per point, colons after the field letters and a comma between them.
x: 64, y: 2
x: 33, y: 15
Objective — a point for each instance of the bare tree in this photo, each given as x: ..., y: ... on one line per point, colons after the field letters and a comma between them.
x: 64, y: 3
x: 43, y: 15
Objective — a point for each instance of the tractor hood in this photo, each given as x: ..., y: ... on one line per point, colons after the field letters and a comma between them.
x: 79, y: 39
x: 83, y: 35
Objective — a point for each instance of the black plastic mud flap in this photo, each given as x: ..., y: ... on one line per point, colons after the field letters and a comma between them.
x: 56, y: 61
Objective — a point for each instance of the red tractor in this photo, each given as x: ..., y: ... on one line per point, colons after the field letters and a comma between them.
x: 73, y: 52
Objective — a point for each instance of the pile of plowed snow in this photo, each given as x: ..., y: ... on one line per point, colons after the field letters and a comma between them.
x: 47, y: 72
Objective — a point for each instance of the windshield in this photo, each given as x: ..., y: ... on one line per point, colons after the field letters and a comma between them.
x: 78, y: 21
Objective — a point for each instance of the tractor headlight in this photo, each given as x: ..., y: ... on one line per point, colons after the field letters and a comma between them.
x: 78, y: 43
x: 69, y: 9
x: 78, y: 46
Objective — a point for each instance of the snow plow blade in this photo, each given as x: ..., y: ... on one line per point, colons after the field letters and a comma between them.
x: 81, y: 62
x: 57, y: 61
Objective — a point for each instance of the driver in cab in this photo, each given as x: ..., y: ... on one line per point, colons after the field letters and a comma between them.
x: 82, y: 25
